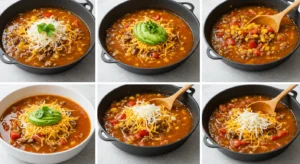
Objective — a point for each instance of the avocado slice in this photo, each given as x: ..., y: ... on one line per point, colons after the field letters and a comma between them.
x: 150, y: 33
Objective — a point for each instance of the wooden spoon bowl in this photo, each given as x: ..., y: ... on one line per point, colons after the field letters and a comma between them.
x: 274, y: 20
x: 169, y: 101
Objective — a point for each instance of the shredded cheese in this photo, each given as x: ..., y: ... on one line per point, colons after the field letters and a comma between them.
x: 146, y: 116
x: 54, y: 133
x: 41, y: 40
x: 251, y: 126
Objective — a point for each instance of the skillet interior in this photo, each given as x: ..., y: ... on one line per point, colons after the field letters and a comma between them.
x: 244, y: 90
x: 224, y: 8
x: 134, y: 5
x: 72, y: 6
x: 126, y: 90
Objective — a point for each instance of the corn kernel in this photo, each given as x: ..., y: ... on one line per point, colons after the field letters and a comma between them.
x: 262, y: 38
x: 114, y: 110
x: 176, y: 127
x: 272, y: 36
x: 255, y: 36
x: 182, y: 48
x: 73, y: 143
x: 131, y: 98
x: 50, y: 11
x: 137, y: 95
x: 267, y: 48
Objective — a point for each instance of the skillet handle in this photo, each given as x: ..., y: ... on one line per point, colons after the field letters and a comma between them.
x: 107, y: 138
x: 6, y: 61
x: 214, y: 57
x: 294, y: 94
x: 191, y: 91
x: 205, y: 138
x: 191, y: 6
x: 106, y: 60
x: 88, y: 4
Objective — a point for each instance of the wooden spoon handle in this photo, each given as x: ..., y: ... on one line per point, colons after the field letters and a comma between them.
x: 181, y: 91
x: 290, y: 8
x: 285, y: 92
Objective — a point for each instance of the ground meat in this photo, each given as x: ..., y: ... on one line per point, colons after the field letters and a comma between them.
x: 127, y: 37
x: 48, y: 63
x: 22, y: 141
x: 42, y: 57
x: 134, y: 51
x: 62, y: 103
x: 30, y: 140
x: 73, y: 123
x: 49, y: 53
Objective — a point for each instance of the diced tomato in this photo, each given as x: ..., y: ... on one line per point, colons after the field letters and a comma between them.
x: 143, y: 133
x: 219, y: 34
x: 222, y: 131
x: 157, y: 17
x: 75, y: 23
x: 137, y: 136
x: 244, y: 32
x: 126, y: 25
x: 37, y: 138
x: 222, y: 108
x: 15, y: 135
x: 41, y: 134
x: 48, y: 15
x: 121, y: 116
x: 274, y: 137
x: 155, y: 55
x: 114, y: 122
x: 230, y: 105
x: 235, y: 24
x: 270, y: 29
x: 252, y: 44
x: 219, y: 115
x: 63, y: 142
x: 254, y: 31
x: 230, y: 41
x: 236, y: 143
x: 257, y: 52
x: 260, y: 45
x: 282, y: 133
x: 131, y: 103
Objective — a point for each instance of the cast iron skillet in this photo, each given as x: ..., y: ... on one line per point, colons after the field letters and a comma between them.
x: 289, y: 100
x: 229, y: 5
x: 129, y: 6
x: 125, y: 90
x: 82, y: 10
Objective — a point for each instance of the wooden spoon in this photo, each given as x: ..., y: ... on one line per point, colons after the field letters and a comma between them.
x: 270, y: 105
x: 274, y: 20
x: 169, y: 101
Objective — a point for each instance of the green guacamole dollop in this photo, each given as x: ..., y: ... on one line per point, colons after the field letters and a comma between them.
x: 150, y: 33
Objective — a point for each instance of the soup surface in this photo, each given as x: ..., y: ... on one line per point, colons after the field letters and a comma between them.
x: 236, y: 127
x: 44, y: 124
x: 149, y: 39
x: 46, y: 37
x: 236, y: 40
x: 135, y: 121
